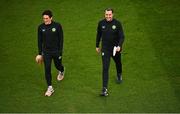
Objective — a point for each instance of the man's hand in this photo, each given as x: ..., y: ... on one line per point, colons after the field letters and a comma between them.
x: 98, y: 50
x: 39, y: 59
x: 118, y: 49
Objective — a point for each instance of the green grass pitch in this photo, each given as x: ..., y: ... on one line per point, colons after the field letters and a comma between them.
x: 151, y: 66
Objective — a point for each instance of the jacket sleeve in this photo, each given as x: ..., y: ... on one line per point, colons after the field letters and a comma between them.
x: 99, y: 34
x: 120, y: 35
x: 40, y: 41
x: 61, y: 38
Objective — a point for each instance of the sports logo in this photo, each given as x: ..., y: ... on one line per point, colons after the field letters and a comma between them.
x: 102, y: 53
x: 114, y: 27
x: 103, y: 27
x: 53, y: 29
x: 43, y: 30
x: 59, y: 57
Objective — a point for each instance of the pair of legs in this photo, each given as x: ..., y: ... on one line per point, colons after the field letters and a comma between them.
x: 48, y: 57
x: 106, y: 57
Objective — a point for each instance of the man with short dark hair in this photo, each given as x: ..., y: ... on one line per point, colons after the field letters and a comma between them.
x: 50, y: 47
x: 110, y: 32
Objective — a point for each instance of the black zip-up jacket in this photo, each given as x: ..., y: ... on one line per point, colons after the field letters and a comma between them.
x: 50, y: 38
x: 111, y: 34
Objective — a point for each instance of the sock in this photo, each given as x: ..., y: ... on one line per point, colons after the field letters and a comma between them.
x: 50, y: 86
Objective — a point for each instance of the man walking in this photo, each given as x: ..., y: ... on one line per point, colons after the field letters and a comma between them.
x: 50, y: 47
x: 110, y: 32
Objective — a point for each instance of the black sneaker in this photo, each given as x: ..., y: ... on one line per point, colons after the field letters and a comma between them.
x: 104, y: 92
x: 119, y: 78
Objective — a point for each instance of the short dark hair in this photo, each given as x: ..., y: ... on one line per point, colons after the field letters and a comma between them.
x: 47, y: 12
x: 109, y: 9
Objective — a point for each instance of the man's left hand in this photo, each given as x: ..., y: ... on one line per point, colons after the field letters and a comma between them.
x: 118, y: 49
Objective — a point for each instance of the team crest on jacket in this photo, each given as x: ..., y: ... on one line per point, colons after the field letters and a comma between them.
x: 102, y: 53
x: 43, y: 30
x: 114, y: 27
x: 103, y: 27
x: 53, y: 29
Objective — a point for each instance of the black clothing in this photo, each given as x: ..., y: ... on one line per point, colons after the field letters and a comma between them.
x: 50, y: 45
x: 47, y: 63
x: 50, y: 38
x: 111, y: 34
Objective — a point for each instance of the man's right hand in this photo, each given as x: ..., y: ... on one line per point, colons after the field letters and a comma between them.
x: 39, y: 59
x: 98, y: 50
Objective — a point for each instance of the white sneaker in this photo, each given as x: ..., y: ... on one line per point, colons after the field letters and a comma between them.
x: 60, y: 75
x: 49, y: 91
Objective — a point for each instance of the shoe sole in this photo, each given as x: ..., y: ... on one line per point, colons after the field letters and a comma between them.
x: 49, y: 95
x: 103, y: 94
x: 62, y: 76
x: 60, y: 79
